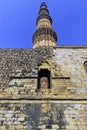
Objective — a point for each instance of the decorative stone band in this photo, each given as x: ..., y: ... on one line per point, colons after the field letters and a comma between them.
x: 46, y: 16
x: 44, y: 43
x: 42, y: 33
x: 44, y: 23
x: 43, y: 4
x: 43, y: 9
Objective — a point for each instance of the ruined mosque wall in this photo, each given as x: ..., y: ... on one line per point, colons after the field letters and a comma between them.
x: 63, y: 106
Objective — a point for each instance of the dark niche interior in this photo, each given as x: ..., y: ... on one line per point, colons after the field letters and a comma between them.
x: 43, y: 79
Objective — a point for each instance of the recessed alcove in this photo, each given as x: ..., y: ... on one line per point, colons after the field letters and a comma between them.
x: 43, y: 79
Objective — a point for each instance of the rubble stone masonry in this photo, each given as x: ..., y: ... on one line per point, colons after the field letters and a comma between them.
x: 62, y: 106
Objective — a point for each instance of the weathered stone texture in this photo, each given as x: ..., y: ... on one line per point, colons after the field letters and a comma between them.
x: 70, y: 61
x: 19, y: 73
x: 43, y: 115
x: 21, y: 63
x: 62, y: 106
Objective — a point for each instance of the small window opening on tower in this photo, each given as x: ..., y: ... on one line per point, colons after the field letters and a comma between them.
x: 43, y: 79
x: 85, y: 65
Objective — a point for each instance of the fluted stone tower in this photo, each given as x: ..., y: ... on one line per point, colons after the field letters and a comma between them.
x: 44, y: 34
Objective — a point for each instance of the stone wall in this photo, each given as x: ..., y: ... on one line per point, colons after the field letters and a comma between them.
x: 19, y: 73
x: 71, y: 60
x: 63, y: 106
x: 21, y: 63
x: 43, y: 115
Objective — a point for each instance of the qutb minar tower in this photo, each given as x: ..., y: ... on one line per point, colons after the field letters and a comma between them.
x: 44, y: 34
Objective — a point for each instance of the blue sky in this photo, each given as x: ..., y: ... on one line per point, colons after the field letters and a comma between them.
x: 18, y: 22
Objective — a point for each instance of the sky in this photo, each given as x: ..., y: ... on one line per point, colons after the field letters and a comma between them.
x: 18, y: 22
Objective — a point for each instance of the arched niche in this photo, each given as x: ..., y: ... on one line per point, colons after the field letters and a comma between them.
x: 44, y: 77
x: 44, y: 65
x: 85, y: 65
